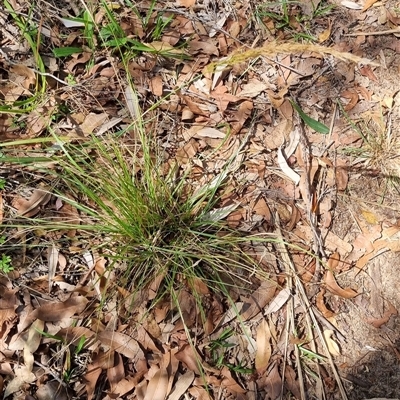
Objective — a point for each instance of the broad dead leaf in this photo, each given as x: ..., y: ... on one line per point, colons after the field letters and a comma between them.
x: 368, y: 4
x: 116, y: 373
x: 181, y: 386
x: 32, y: 341
x: 230, y: 383
x: 91, y: 377
x: 92, y: 122
x: 210, y: 133
x: 52, y: 390
x: 325, y: 35
x: 253, y: 88
x: 320, y: 302
x: 279, y: 301
x: 156, y: 85
x: 26, y: 72
x: 52, y: 312
x: 205, y: 47
x: 352, y: 5
x: 222, y: 97
x: 121, y: 343
x: 264, y: 349
x: 158, y: 385
x: 272, y: 382
x: 199, y: 393
x: 29, y: 208
x: 291, y: 382
x: 258, y: 300
x: 188, y: 356
x: 367, y: 71
x: 22, y: 376
x: 378, y: 322
x: 352, y: 96
x: 187, y: 3
x: 332, y: 345
x: 187, y: 152
x: 241, y: 116
x: 334, y: 288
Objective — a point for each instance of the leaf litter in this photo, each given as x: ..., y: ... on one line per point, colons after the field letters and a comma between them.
x: 223, y: 93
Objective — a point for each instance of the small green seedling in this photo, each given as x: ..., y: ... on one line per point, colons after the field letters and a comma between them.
x: 218, y: 348
x: 5, y: 264
x: 69, y: 356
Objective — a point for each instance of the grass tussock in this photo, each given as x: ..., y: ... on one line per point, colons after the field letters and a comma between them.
x: 150, y: 224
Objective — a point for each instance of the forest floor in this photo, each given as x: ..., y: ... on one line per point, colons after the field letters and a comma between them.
x: 277, y: 123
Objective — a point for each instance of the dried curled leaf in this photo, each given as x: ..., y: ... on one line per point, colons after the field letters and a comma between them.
x: 334, y: 288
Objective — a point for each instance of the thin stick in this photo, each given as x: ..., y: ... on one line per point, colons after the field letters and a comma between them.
x: 388, y: 32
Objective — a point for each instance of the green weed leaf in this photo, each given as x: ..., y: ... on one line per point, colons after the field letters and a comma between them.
x: 66, y: 51
x: 311, y: 122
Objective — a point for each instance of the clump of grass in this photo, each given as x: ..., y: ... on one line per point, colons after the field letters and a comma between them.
x: 152, y: 225
x: 380, y: 149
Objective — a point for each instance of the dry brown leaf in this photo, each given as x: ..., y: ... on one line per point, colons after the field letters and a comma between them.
x: 264, y: 349
x: 52, y: 312
x: 52, y: 390
x: 187, y: 152
x: 187, y: 3
x: 210, y: 133
x: 8, y: 305
x: 121, y: 343
x: 188, y: 306
x: 202, y: 46
x: 222, y: 97
x: 332, y: 345
x: 156, y: 85
x: 90, y: 379
x: 22, y: 376
x: 368, y: 4
x: 325, y: 35
x: 29, y: 208
x: 195, y: 107
x: 291, y: 382
x: 92, y: 121
x: 352, y: 95
x: 116, y: 373
x: 26, y: 72
x: 229, y: 382
x: 367, y: 71
x: 320, y: 302
x: 278, y: 302
x: 32, y: 340
x: 258, y: 300
x: 378, y: 322
x: 182, y: 384
x: 241, y: 116
x: 81, y: 58
x: 199, y: 393
x: 334, y: 288
x: 261, y: 208
x: 157, y: 386
x: 188, y: 356
x: 252, y: 89
x: 125, y: 385
x: 272, y: 382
